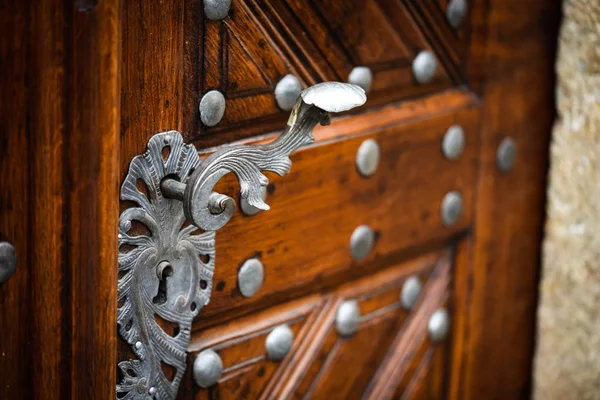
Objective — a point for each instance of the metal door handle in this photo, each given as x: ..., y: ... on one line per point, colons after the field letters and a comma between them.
x: 211, y: 211
x: 169, y: 271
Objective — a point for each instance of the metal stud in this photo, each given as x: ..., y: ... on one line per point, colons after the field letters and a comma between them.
x: 216, y: 9
x: 208, y: 368
x: 361, y: 242
x: 367, y: 157
x: 249, y: 209
x: 438, y: 325
x: 279, y: 342
x: 347, y: 318
x: 8, y: 261
x: 287, y: 91
x: 451, y: 207
x: 212, y: 108
x: 453, y: 142
x: 361, y: 76
x: 506, y: 154
x: 424, y: 66
x: 251, y: 277
x: 455, y: 12
x: 410, y: 292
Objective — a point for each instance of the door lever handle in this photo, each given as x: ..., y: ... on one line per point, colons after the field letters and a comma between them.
x: 167, y: 270
x: 209, y: 210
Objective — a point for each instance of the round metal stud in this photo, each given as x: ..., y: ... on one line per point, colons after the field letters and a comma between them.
x: 251, y: 277
x: 8, y: 261
x: 456, y: 12
x: 216, y: 9
x: 287, y: 91
x: 438, y: 325
x: 361, y: 242
x: 279, y: 342
x: 451, y: 208
x: 453, y: 142
x: 367, y: 157
x: 212, y: 108
x: 506, y: 154
x: 250, y: 210
x: 361, y: 76
x: 424, y: 66
x: 208, y: 368
x: 410, y: 292
x: 347, y: 318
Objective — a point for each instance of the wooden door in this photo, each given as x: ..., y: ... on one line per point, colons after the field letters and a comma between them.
x: 399, y: 257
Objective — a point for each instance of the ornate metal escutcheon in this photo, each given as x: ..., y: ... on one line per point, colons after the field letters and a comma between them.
x: 166, y: 265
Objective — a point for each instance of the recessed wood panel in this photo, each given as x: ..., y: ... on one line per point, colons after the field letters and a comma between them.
x: 248, y: 373
x: 322, y: 364
x: 346, y: 367
x: 415, y: 367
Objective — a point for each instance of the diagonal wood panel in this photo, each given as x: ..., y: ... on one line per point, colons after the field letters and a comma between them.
x: 247, y: 372
x: 245, y: 55
x: 450, y: 45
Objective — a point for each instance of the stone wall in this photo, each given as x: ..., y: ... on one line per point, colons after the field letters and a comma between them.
x: 567, y: 362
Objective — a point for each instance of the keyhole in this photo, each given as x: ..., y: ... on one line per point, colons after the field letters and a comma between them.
x: 164, y: 271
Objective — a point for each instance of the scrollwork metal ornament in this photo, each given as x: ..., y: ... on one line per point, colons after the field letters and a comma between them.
x: 166, y: 265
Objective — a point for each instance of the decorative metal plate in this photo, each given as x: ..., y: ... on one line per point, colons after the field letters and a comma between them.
x: 153, y: 266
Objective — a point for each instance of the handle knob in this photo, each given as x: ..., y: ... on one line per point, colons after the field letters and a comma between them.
x: 209, y: 210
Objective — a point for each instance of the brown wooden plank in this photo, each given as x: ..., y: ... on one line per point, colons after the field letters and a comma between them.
x: 152, y: 73
x: 518, y: 102
x: 49, y: 280
x: 15, y: 356
x: 93, y: 155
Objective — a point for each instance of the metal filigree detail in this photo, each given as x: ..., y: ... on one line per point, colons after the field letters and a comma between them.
x: 166, y: 273
x: 160, y: 273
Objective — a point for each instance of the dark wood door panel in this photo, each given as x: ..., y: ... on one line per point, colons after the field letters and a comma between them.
x: 304, y: 240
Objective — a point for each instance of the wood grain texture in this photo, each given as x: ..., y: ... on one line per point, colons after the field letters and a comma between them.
x: 321, y: 364
x: 152, y: 74
x: 303, y: 241
x: 49, y: 278
x: 15, y: 357
x: 58, y: 157
x: 518, y: 102
x: 247, y: 53
x: 93, y: 122
x: 411, y: 359
x: 241, y: 345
